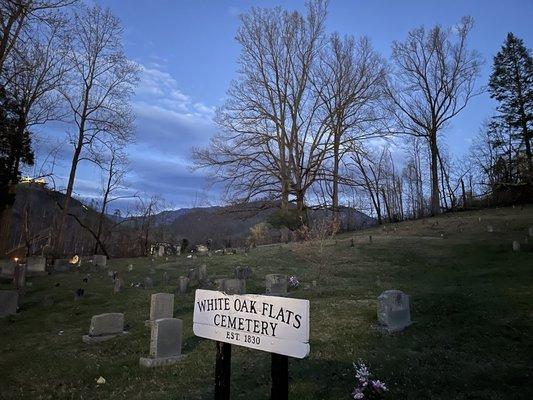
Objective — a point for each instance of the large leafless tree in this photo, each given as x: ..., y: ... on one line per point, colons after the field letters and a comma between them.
x: 433, y: 79
x: 97, y: 90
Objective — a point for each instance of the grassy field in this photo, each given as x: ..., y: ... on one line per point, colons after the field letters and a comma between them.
x: 471, y: 303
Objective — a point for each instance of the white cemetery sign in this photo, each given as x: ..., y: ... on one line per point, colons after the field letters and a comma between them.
x: 274, y: 324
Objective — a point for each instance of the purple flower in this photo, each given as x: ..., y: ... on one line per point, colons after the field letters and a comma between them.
x: 379, y: 386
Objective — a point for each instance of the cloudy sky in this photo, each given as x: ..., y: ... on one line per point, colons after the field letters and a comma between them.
x: 188, y: 55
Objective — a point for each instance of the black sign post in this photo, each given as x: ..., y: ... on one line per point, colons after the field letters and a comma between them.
x: 222, y: 371
x: 279, y: 370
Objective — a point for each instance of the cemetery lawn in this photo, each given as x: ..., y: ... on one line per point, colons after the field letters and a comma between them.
x: 471, y: 303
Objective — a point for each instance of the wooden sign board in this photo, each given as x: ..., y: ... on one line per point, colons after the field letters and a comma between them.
x: 274, y: 324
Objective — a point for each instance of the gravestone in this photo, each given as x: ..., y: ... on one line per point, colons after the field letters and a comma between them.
x: 36, y: 265
x: 193, y: 276
x: 276, y: 284
x: 119, y: 285
x: 202, y: 272
x: 104, y: 327
x: 516, y: 246
x: 234, y: 286
x: 243, y: 272
x: 490, y: 228
x: 165, y: 343
x: 394, y: 312
x: 183, y: 283
x: 219, y: 284
x: 8, y: 269
x: 9, y: 300
x: 130, y: 268
x: 19, y: 277
x: 62, y: 265
x: 148, y: 283
x: 161, y: 251
x: 100, y: 260
x: 110, y: 274
x: 161, y: 306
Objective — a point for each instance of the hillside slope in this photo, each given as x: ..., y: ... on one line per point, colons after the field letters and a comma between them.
x: 471, y: 304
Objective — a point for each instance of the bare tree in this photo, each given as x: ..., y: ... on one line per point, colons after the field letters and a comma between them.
x: 19, y: 16
x: 350, y: 78
x: 433, y: 80
x: 274, y: 140
x: 114, y: 169
x: 97, y: 90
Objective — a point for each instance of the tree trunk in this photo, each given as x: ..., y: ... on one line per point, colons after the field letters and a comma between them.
x: 435, y: 195
x: 335, y: 189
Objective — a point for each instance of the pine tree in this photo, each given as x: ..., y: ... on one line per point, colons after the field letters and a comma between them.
x: 511, y: 84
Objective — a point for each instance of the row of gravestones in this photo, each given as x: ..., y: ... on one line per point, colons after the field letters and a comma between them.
x: 516, y: 243
x: 36, y: 265
x: 165, y: 331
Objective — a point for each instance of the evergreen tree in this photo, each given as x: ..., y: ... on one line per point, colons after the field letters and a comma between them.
x: 15, y: 149
x: 511, y: 84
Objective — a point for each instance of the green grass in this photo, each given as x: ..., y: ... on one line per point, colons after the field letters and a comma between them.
x: 471, y: 303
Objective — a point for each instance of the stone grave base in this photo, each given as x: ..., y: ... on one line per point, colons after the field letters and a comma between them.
x: 149, y: 362
x: 98, y: 339
x: 391, y: 329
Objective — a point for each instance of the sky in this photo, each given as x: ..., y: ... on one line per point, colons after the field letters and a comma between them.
x: 188, y: 55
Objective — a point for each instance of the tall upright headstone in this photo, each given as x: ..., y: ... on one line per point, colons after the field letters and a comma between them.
x: 19, y: 277
x: 183, y: 283
x: 394, y: 312
x: 165, y: 343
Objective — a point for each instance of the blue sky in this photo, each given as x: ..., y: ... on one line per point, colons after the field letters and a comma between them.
x: 188, y: 53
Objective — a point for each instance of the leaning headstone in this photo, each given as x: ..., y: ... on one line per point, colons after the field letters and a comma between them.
x: 118, y: 286
x: 183, y: 283
x: 19, y: 277
x: 9, y: 300
x: 161, y: 306
x: 276, y: 284
x: 516, y: 246
x: 394, y: 312
x: 36, y: 265
x: 165, y: 343
x: 234, y: 286
x: 148, y: 283
x: 100, y: 260
x: 243, y: 272
x: 104, y: 327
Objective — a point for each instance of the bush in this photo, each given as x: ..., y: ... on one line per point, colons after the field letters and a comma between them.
x: 285, y: 219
